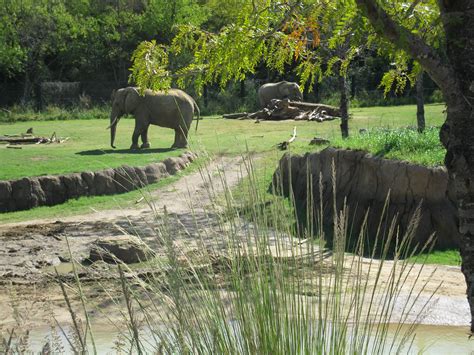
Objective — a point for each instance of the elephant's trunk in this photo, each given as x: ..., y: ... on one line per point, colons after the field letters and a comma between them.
x: 113, y: 129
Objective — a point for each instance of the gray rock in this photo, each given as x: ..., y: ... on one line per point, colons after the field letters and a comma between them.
x: 156, y: 171
x: 126, y: 179
x: 27, y: 193
x: 88, y: 178
x: 319, y: 141
x: 54, y: 189
x: 172, y: 165
x: 141, y: 176
x: 104, y: 182
x: 74, y: 185
x: 127, y: 249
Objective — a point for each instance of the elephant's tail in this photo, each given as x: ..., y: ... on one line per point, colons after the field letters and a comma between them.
x: 198, y: 113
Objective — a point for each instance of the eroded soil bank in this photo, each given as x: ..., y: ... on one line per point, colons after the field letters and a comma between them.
x: 29, y: 250
x: 388, y: 189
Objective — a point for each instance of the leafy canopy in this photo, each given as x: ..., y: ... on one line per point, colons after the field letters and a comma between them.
x: 316, y: 38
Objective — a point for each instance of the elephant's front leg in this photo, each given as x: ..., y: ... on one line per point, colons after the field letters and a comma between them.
x: 139, y: 129
x: 145, y: 142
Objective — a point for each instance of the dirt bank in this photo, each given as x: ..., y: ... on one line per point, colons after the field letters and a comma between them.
x: 29, y: 249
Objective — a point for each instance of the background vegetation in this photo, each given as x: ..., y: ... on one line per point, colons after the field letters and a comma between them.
x: 91, y: 43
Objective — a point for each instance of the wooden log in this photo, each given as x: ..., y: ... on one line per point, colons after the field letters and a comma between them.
x: 235, y: 115
x: 25, y: 140
x: 308, y: 106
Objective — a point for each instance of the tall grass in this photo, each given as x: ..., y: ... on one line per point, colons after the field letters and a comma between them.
x: 243, y: 287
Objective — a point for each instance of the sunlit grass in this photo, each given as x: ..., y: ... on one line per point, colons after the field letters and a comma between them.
x: 399, y: 143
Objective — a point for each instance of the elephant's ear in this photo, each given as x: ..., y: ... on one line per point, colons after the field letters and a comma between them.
x: 131, y: 100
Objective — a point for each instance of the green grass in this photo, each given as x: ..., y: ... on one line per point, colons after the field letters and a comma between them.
x: 88, y: 147
x: 399, y: 143
x: 441, y: 257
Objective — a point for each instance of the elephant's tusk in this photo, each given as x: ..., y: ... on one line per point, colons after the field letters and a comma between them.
x: 114, y: 121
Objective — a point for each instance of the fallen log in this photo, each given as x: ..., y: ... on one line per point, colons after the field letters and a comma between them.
x: 308, y: 106
x: 235, y: 115
x: 28, y: 138
x: 290, y: 110
x: 23, y: 140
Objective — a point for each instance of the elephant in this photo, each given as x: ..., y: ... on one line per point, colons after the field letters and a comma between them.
x: 171, y: 109
x: 280, y: 90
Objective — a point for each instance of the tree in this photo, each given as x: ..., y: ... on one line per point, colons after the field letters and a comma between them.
x: 454, y: 74
x: 282, y: 32
x: 314, y: 37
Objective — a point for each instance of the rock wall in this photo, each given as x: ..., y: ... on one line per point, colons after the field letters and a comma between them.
x: 364, y: 182
x: 26, y: 193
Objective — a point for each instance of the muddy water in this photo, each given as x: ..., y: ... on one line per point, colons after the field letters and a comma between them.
x: 442, y: 340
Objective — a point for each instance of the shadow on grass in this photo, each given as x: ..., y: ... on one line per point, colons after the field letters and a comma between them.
x: 125, y: 151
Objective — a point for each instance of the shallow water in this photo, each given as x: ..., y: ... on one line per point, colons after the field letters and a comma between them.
x: 442, y: 340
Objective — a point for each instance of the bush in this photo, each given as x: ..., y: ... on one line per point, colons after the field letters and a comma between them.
x: 53, y: 113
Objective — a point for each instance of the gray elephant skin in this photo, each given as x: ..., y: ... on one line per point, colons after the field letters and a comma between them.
x: 171, y: 109
x: 281, y: 90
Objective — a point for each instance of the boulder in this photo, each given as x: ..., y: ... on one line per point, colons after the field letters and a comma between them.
x: 74, y: 185
x: 156, y: 171
x: 27, y: 193
x: 127, y: 249
x: 126, y: 179
x: 172, y: 165
x: 104, y: 182
x: 88, y: 178
x: 141, y: 176
x: 54, y: 190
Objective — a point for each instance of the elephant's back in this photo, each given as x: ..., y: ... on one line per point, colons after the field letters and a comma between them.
x: 171, y: 95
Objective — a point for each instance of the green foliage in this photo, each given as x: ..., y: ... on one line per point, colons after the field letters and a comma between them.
x: 314, y: 36
x: 77, y: 39
x: 148, y: 70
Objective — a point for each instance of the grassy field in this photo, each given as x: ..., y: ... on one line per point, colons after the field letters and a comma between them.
x: 88, y: 145
x: 88, y: 149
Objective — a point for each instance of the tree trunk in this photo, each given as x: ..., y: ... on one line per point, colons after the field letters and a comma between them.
x: 420, y: 103
x: 344, y: 106
x: 455, y: 77
x: 242, y: 89
x: 353, y: 87
x: 457, y: 134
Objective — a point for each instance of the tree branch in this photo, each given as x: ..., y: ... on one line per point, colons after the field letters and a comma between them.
x: 440, y: 71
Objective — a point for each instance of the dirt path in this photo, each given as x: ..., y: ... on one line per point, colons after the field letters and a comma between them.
x: 29, y: 250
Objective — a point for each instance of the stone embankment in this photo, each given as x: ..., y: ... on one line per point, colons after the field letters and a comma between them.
x: 30, y: 192
x: 363, y: 183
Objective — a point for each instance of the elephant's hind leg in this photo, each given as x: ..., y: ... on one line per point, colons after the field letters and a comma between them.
x: 180, y: 138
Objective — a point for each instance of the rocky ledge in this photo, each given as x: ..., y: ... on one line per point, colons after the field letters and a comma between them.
x: 363, y: 184
x: 30, y: 192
